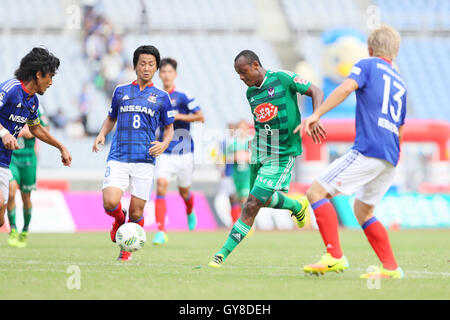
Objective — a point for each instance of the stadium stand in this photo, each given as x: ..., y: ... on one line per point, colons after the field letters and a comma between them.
x: 32, y: 14
x: 322, y: 14
x: 204, y: 38
x: 415, y: 14
x: 425, y: 65
x: 183, y: 15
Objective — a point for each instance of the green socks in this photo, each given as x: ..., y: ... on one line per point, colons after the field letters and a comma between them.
x: 280, y: 201
x: 26, y: 219
x: 237, y: 234
x: 12, y: 218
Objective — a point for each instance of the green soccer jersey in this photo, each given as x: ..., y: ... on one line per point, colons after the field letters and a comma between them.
x: 26, y: 155
x: 275, y: 113
x: 238, y: 147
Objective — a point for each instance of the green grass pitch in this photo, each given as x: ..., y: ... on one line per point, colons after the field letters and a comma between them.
x: 268, y: 265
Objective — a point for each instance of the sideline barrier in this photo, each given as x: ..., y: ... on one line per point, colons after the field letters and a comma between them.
x: 57, y: 211
x: 406, y: 210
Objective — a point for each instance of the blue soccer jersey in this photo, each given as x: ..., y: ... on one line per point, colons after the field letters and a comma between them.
x: 380, y: 108
x: 138, y: 114
x: 17, y: 108
x: 182, y: 141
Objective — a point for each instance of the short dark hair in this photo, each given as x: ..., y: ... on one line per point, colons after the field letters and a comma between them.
x: 169, y: 61
x: 146, y: 50
x: 249, y: 55
x: 38, y: 59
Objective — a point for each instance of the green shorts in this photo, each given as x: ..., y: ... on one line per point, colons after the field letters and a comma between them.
x: 271, y: 175
x: 25, y: 176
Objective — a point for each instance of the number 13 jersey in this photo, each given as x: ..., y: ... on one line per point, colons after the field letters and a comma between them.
x: 380, y: 108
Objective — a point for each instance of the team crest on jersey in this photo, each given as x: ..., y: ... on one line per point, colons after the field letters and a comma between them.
x: 271, y: 91
x: 265, y: 112
x: 2, y: 94
x: 173, y: 101
x: 152, y: 98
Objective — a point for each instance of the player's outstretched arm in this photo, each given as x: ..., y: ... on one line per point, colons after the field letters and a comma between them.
x: 159, y: 147
x: 337, y: 96
x: 317, y: 132
x: 44, y: 135
x: 107, y: 126
x: 8, y: 139
x: 193, y: 117
x: 334, y: 99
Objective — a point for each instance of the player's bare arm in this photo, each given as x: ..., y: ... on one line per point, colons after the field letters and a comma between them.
x: 25, y: 133
x: 193, y: 117
x: 160, y: 146
x: 8, y: 139
x: 316, y: 94
x: 44, y: 135
x: 334, y: 99
x: 107, y: 126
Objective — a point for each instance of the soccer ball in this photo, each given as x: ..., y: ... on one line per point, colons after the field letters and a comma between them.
x: 130, y: 237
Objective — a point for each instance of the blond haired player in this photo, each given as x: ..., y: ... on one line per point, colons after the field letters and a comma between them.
x: 368, y: 168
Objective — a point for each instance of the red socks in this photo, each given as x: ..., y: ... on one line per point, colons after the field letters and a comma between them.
x: 328, y: 226
x: 375, y: 232
x: 161, y: 209
x: 189, y: 203
x: 235, y: 212
x: 139, y: 222
x: 379, y: 240
x: 116, y: 213
x: 160, y: 212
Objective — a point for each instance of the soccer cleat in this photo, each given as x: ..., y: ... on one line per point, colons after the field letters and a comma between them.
x: 124, y: 256
x: 250, y: 232
x: 301, y: 215
x: 13, y: 238
x: 217, y: 261
x: 326, y: 264
x: 382, y: 273
x: 116, y: 225
x: 192, y: 220
x: 160, y: 238
x: 22, y: 241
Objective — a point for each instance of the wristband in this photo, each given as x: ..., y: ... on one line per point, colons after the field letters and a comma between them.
x: 3, y: 132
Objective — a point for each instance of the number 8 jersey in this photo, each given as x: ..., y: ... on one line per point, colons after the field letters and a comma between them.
x: 139, y: 114
x: 380, y: 108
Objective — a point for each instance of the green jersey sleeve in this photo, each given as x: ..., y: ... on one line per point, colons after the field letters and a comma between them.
x: 294, y: 82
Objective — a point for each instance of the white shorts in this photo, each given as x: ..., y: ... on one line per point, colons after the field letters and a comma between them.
x: 179, y: 165
x: 369, y: 177
x: 137, y: 178
x: 5, y: 176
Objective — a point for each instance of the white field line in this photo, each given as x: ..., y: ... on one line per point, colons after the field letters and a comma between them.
x: 184, y: 266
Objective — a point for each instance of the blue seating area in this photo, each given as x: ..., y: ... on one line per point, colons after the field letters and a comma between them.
x: 415, y: 14
x: 425, y: 66
x: 322, y: 14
